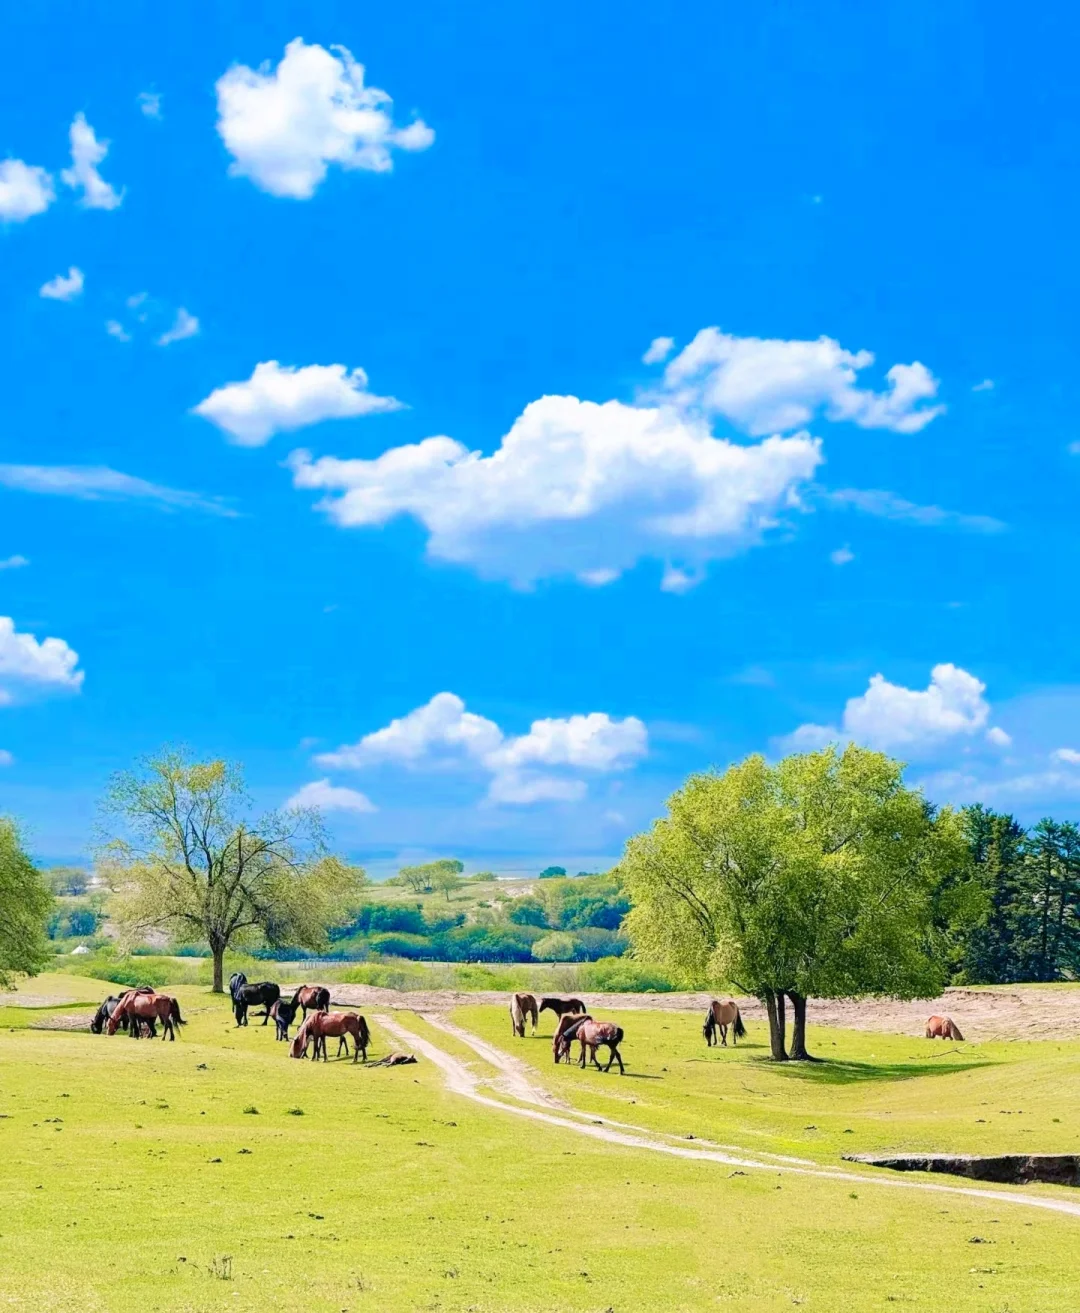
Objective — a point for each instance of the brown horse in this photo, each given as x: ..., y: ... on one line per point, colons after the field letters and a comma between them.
x: 594, y: 1033
x: 942, y: 1028
x: 718, y: 1018
x: 522, y: 1006
x: 311, y: 998
x: 560, y: 1006
x: 140, y: 1007
x: 564, y: 1034
x: 338, y: 1025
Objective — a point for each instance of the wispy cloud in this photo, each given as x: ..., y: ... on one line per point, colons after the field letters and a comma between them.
x: 116, y: 329
x: 875, y: 501
x: 150, y: 103
x: 987, y: 385
x: 14, y: 563
x: 184, y: 325
x: 99, y: 483
x: 63, y: 287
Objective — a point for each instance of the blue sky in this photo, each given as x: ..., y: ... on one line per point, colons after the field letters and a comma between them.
x: 480, y: 440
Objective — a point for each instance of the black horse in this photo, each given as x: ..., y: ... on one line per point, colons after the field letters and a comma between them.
x: 105, y: 1011
x: 246, y: 996
x: 284, y: 1015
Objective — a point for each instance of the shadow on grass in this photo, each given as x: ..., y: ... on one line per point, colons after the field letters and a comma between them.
x: 829, y: 1071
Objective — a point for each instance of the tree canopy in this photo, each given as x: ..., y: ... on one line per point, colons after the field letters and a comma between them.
x: 813, y: 877
x: 192, y: 858
x: 25, y: 904
x: 444, y: 875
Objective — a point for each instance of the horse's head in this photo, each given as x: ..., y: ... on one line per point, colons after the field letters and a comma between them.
x: 236, y: 980
x: 298, y: 1048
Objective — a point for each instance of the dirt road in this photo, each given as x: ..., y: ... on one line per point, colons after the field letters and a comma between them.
x: 507, y: 1073
x: 1000, y: 1012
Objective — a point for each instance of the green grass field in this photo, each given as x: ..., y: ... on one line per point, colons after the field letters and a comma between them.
x: 137, y: 1176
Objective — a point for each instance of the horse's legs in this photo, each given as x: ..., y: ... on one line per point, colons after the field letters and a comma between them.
x: 723, y: 1035
x: 617, y: 1056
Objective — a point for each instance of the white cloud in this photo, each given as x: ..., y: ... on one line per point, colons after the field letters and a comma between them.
x: 6, y: 759
x: 659, y: 349
x: 773, y: 386
x: 998, y: 737
x: 14, y: 563
x: 63, y: 288
x: 874, y: 501
x: 116, y: 329
x: 890, y: 717
x: 86, y: 154
x: 576, y: 488
x: 25, y: 190
x: 27, y: 664
x: 279, y: 398
x: 331, y: 798
x: 442, y: 735
x: 987, y: 385
x: 1069, y: 755
x: 284, y: 127
x: 184, y: 325
x: 842, y: 556
x: 150, y: 103
x: 99, y: 483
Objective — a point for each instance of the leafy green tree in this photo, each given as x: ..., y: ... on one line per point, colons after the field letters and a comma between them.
x: 990, y: 950
x: 1050, y: 948
x: 528, y: 910
x: 811, y: 878
x: 193, y: 859
x: 25, y: 904
x: 67, y: 881
x: 556, y: 947
x: 552, y: 872
x: 429, y: 876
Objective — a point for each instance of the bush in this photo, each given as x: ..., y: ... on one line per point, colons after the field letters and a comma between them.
x: 615, y: 975
x: 528, y: 910
x: 556, y: 947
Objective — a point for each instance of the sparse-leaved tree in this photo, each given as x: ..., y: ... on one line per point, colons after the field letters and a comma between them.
x: 191, y: 858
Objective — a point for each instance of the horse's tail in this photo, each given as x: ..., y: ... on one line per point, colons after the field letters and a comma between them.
x: 174, y: 1013
x: 365, y: 1034
x: 296, y: 997
x: 322, y: 999
x: 739, y: 1028
x: 618, y: 1035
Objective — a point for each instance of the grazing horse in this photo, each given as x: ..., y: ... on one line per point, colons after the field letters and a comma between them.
x: 560, y: 1006
x: 942, y: 1028
x: 147, y: 1007
x: 311, y: 998
x: 104, y: 1012
x: 284, y: 1015
x: 522, y: 1006
x: 594, y: 1033
x: 565, y: 1032
x: 335, y: 1024
x: 246, y: 996
x: 718, y: 1018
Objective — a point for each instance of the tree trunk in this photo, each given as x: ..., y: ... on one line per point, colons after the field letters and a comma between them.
x: 798, y: 1029
x: 774, y: 1006
x: 218, y: 952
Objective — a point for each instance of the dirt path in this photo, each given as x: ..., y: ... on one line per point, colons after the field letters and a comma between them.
x: 1002, y: 1012
x: 462, y: 1080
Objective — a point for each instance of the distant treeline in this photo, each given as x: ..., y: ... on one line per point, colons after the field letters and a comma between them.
x: 569, y: 920
x: 1028, y: 925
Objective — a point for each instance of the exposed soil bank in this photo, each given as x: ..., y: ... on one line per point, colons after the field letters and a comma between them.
x: 1006, y: 1169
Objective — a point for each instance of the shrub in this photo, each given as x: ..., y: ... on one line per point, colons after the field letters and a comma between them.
x: 556, y: 947
x: 620, y: 975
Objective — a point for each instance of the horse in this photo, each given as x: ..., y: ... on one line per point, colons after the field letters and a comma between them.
x: 718, y: 1018
x: 560, y: 1006
x: 522, y: 1006
x: 564, y: 1034
x: 942, y: 1028
x: 147, y: 1007
x: 246, y: 996
x: 335, y: 1024
x: 104, y: 1012
x: 284, y: 1015
x: 592, y: 1034
x: 311, y: 997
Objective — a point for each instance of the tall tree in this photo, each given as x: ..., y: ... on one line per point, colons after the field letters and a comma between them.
x: 811, y: 878
x: 25, y: 904
x: 991, y: 949
x: 193, y: 859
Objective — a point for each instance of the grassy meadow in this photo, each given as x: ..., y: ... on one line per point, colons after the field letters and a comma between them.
x: 215, y: 1173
